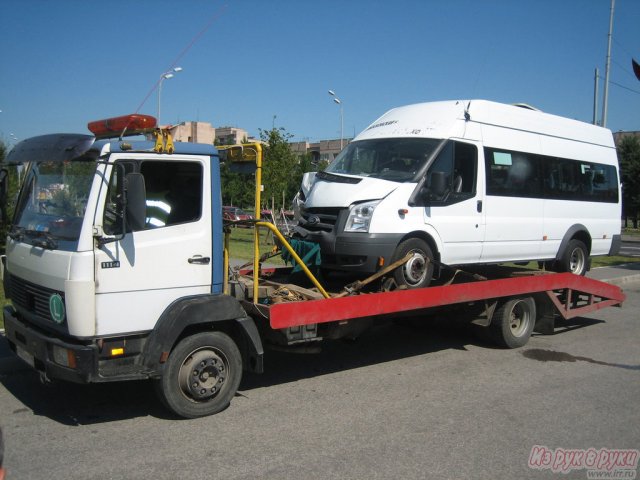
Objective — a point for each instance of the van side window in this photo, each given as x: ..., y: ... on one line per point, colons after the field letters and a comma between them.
x: 574, y: 180
x: 512, y: 174
x: 518, y: 174
x: 452, y: 176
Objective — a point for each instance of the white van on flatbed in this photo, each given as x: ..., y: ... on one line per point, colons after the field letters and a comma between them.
x: 466, y: 182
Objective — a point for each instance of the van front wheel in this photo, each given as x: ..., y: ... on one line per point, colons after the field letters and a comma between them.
x: 418, y: 270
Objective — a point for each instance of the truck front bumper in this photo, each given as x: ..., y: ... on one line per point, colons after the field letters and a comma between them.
x: 57, y: 358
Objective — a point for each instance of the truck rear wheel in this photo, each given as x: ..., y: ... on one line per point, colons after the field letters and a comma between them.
x: 201, y: 376
x: 513, y: 322
x: 417, y: 272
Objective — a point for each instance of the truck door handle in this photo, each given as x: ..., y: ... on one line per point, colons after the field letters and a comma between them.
x: 479, y: 206
x: 199, y: 260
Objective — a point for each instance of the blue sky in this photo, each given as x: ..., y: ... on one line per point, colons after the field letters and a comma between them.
x: 65, y: 63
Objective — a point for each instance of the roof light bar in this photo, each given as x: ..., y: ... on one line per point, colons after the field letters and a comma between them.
x: 125, y: 125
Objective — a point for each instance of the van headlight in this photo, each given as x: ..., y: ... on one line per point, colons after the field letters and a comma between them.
x: 360, y: 217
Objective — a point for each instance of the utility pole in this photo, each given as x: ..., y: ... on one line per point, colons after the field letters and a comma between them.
x: 605, y: 101
x: 595, y: 97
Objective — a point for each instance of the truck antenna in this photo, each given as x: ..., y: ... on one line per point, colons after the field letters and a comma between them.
x: 214, y: 17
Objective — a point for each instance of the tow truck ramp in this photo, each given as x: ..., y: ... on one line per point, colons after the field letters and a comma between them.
x: 563, y: 294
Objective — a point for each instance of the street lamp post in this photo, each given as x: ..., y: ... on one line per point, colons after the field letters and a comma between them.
x: 339, y: 102
x: 163, y: 77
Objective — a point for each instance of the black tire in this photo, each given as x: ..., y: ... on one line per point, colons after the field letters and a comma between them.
x: 513, y: 322
x: 201, y: 376
x: 575, y: 258
x: 417, y: 272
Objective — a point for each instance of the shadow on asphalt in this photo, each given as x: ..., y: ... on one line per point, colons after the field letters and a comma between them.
x: 74, y: 405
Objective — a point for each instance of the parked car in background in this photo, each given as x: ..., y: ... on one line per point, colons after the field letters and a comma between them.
x: 235, y: 214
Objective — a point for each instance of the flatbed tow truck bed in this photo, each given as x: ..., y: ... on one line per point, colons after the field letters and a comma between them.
x: 553, y: 294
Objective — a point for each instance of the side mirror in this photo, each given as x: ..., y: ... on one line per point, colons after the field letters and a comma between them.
x: 438, y: 185
x: 136, y: 201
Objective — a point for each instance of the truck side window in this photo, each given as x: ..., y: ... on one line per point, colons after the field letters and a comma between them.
x: 173, y: 194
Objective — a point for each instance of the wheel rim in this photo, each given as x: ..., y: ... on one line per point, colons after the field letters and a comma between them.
x: 519, y: 320
x: 203, y: 374
x: 576, y: 261
x: 415, y: 270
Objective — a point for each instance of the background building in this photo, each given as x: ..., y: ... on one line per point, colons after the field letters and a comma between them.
x: 204, y: 132
x: 618, y: 136
x: 322, y: 151
x: 194, y: 132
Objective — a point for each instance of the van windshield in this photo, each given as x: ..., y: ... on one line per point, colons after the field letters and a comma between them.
x: 395, y: 159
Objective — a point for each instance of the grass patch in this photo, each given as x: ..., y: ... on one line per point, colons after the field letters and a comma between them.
x: 241, y: 244
x: 612, y: 261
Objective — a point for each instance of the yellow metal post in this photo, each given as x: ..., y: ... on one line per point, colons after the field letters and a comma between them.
x: 225, y: 260
x: 252, y: 152
x: 295, y: 256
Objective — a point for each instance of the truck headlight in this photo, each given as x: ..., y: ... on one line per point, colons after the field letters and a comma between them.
x: 360, y: 217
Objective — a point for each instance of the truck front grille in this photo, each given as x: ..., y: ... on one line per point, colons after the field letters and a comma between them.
x: 32, y: 298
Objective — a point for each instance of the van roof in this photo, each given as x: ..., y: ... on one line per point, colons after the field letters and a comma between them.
x: 446, y: 119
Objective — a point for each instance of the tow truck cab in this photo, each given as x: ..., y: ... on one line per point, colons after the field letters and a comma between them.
x: 115, y: 251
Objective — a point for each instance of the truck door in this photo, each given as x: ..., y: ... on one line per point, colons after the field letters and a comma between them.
x: 456, y: 214
x: 138, y: 276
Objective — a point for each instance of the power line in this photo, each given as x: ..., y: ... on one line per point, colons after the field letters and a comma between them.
x: 215, y: 16
x: 626, y: 88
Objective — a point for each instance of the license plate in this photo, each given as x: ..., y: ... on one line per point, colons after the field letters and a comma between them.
x: 24, y: 355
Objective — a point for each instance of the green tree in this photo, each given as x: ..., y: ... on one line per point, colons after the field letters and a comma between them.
x: 280, y: 168
x: 237, y: 188
x: 629, y: 157
x: 9, y: 196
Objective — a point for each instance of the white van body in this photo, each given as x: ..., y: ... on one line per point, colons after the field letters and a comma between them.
x: 473, y: 180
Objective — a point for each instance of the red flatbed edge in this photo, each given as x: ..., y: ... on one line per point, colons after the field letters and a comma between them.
x: 556, y: 286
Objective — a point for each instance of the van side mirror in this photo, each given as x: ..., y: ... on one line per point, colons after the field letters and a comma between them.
x: 136, y: 201
x: 438, y: 185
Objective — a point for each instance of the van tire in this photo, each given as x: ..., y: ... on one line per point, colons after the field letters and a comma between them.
x: 575, y: 258
x: 417, y: 272
x: 512, y: 323
x: 201, y: 376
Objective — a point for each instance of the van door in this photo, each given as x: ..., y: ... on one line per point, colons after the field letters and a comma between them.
x: 168, y: 258
x: 513, y: 206
x: 454, y: 208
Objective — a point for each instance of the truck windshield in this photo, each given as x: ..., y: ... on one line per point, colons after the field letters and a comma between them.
x: 51, y: 206
x: 395, y: 159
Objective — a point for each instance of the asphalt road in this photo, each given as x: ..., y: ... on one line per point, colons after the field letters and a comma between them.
x: 399, y: 403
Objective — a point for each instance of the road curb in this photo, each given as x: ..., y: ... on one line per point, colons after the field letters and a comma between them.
x: 619, y: 281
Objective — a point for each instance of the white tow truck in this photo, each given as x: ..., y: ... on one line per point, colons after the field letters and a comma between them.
x: 117, y: 269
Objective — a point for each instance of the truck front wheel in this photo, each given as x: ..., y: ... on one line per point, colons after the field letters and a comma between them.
x: 201, y: 376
